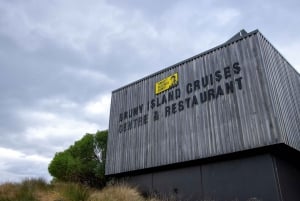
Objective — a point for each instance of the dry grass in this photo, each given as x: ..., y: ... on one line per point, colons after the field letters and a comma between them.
x: 72, y: 191
x: 117, y: 193
x: 39, y: 190
x: 8, y: 191
x: 48, y: 196
x: 27, y: 190
x: 121, y: 192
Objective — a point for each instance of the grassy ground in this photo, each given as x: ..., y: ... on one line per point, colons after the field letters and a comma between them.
x: 39, y: 190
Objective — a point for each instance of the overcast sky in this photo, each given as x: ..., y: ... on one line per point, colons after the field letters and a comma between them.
x: 60, y: 60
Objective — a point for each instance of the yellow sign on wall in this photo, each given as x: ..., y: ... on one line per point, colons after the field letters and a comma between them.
x: 166, y: 83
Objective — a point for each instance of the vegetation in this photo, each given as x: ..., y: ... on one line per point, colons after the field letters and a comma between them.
x: 117, y: 193
x: 78, y: 176
x: 24, y: 191
x: 72, y: 191
x: 39, y: 190
x: 83, y: 162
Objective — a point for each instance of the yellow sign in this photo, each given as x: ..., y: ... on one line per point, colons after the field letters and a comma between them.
x: 166, y: 83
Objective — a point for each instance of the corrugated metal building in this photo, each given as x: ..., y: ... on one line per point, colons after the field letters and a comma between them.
x: 235, y: 98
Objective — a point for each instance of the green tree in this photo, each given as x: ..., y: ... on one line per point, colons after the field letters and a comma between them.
x: 83, y: 162
x: 100, y: 144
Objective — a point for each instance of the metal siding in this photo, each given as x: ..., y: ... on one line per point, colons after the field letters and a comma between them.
x: 233, y: 122
x: 284, y: 87
x: 248, y: 178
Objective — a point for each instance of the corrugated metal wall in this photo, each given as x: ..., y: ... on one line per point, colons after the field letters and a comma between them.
x: 232, y: 113
x: 284, y: 88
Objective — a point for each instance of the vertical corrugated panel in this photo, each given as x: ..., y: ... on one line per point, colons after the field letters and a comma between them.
x: 235, y: 121
x: 284, y: 88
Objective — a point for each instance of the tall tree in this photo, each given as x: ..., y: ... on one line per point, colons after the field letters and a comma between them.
x: 83, y: 162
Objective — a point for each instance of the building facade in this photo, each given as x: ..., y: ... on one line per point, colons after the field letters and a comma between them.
x: 210, y: 119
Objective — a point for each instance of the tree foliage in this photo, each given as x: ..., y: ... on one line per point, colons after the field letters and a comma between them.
x: 83, y: 162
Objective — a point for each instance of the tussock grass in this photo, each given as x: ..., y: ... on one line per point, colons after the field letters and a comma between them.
x: 8, y: 191
x: 40, y: 190
x: 19, y: 191
x: 117, y: 193
x: 27, y: 190
x: 72, y: 191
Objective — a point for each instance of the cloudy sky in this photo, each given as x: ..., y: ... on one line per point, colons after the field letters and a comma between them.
x: 60, y: 60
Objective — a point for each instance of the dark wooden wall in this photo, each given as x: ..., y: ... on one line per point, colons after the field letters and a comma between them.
x: 263, y: 111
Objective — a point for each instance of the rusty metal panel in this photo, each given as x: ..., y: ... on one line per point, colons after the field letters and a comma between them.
x: 221, y: 104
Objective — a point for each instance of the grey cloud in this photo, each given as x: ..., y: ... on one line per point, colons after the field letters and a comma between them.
x: 22, y: 168
x: 56, y: 57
